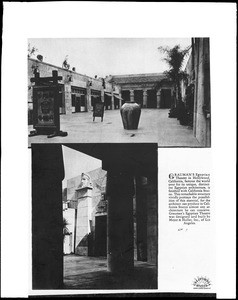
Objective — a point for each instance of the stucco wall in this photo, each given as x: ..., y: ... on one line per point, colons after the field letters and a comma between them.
x: 69, y: 215
x: 76, y: 79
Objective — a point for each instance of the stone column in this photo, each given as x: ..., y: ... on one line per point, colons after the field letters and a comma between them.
x: 141, y: 218
x: 144, y: 98
x: 158, y: 94
x: 89, y: 106
x: 131, y: 95
x: 120, y: 249
x: 47, y: 216
x: 120, y: 100
x: 113, y: 104
x: 84, y: 210
x: 67, y: 98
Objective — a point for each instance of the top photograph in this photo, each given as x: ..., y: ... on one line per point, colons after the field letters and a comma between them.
x: 119, y: 90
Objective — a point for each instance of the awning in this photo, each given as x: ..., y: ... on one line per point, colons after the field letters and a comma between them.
x: 117, y: 96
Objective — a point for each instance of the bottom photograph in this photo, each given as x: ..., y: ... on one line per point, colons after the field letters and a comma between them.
x: 94, y: 216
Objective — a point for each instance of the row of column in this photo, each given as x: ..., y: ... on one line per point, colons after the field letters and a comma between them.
x: 145, y: 97
x: 68, y: 104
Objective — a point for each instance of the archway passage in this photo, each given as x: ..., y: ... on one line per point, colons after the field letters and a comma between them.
x: 151, y: 99
x: 166, y: 98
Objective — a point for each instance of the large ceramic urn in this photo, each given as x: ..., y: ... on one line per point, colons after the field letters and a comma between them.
x: 130, y: 113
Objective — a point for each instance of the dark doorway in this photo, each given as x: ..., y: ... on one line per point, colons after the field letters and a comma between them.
x: 165, y: 98
x: 77, y: 104
x: 83, y: 103
x: 125, y: 96
x: 138, y: 97
x: 151, y: 99
x: 101, y: 236
x: 108, y: 102
x: 73, y: 99
x: 78, y: 101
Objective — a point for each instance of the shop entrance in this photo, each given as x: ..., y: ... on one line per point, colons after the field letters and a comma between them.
x: 80, y: 104
x: 77, y: 104
x: 108, y: 101
x: 78, y: 97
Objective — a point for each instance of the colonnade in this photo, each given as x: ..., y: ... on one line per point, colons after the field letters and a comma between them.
x: 145, y: 97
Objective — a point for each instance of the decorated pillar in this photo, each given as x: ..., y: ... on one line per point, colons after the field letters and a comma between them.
x: 90, y: 107
x: 144, y: 98
x: 158, y: 97
x: 120, y: 249
x: 131, y: 95
x: 67, y: 98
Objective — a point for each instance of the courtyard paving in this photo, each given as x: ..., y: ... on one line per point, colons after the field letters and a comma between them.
x: 82, y: 272
x: 154, y: 127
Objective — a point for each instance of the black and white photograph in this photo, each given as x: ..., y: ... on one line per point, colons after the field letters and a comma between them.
x: 94, y: 216
x: 128, y: 90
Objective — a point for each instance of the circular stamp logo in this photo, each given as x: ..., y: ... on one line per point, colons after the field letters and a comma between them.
x: 201, y: 282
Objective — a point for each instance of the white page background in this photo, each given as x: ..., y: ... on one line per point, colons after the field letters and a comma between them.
x: 185, y: 251
x: 100, y: 19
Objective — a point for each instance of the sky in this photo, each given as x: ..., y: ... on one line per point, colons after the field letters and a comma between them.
x: 76, y: 162
x: 107, y: 56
